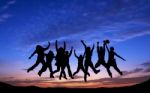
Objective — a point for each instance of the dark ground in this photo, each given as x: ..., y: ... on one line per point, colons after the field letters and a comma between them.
x: 139, y: 88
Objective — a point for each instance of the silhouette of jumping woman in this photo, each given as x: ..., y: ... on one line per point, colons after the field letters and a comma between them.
x: 112, y: 60
x: 40, y: 58
x: 80, y: 63
x: 59, y: 56
x: 88, y: 61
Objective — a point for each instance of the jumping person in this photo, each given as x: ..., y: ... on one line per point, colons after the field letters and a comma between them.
x: 40, y: 58
x: 80, y: 64
x: 88, y: 61
x: 112, y: 60
x: 59, y: 57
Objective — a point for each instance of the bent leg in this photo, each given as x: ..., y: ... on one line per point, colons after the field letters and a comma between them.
x: 94, y: 69
x: 35, y: 65
x: 76, y: 71
x: 97, y: 64
x: 116, y: 68
x: 69, y: 71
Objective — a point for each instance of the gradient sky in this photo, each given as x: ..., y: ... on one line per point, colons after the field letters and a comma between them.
x: 25, y: 23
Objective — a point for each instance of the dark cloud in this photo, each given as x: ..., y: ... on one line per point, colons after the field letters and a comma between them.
x: 146, y: 64
x: 147, y: 70
x: 136, y: 70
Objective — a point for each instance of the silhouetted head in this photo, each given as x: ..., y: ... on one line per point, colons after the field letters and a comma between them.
x: 100, y: 47
x: 61, y: 49
x: 111, y: 48
x: 88, y: 49
x: 66, y: 52
x: 38, y: 47
x: 50, y: 53
x: 80, y: 56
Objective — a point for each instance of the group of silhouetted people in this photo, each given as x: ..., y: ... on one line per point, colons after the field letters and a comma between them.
x: 84, y: 60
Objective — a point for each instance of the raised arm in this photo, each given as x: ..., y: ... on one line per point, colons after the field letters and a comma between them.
x: 47, y: 46
x: 83, y: 44
x: 64, y: 45
x: 107, y: 48
x: 119, y: 56
x: 97, y: 47
x: 93, y: 47
x: 104, y: 44
x: 70, y: 51
x: 56, y: 45
x: 75, y: 54
x: 32, y: 54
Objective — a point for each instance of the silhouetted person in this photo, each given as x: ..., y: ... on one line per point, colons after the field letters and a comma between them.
x: 88, y: 61
x: 49, y: 58
x: 67, y: 56
x: 65, y: 64
x: 80, y: 64
x: 112, y: 60
x: 40, y: 58
x: 59, y: 56
x: 101, y: 55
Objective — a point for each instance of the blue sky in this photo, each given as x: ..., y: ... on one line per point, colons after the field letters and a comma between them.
x: 25, y: 23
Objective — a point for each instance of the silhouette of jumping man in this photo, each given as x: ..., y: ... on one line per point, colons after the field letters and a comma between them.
x: 112, y: 60
x: 101, y: 55
x: 59, y: 57
x: 80, y: 63
x: 88, y: 61
x: 40, y: 58
x: 66, y: 64
x: 67, y: 56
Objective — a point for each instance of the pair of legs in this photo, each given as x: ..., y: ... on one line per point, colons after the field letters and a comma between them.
x: 100, y: 62
x: 114, y: 65
x: 43, y: 69
x: 78, y: 69
x: 69, y: 70
x: 88, y: 63
x: 62, y: 72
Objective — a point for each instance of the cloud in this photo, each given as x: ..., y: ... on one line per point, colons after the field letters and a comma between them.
x: 146, y: 64
x: 3, y: 14
x: 136, y: 70
x: 4, y: 17
x: 8, y: 4
x: 117, y: 21
x: 103, y: 82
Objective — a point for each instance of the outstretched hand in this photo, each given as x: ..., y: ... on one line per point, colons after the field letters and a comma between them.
x: 29, y: 58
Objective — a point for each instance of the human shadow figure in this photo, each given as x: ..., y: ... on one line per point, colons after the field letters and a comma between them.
x: 49, y: 58
x: 101, y: 55
x: 40, y: 58
x: 80, y: 63
x: 65, y: 64
x: 112, y: 60
x: 88, y: 61
x: 59, y: 57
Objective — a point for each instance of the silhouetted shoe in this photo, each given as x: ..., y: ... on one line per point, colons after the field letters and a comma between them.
x: 39, y: 74
x: 88, y: 74
x: 97, y: 71
x: 51, y: 76
x: 28, y: 70
x: 72, y: 77
x: 65, y: 78
x: 121, y: 73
